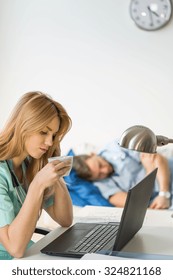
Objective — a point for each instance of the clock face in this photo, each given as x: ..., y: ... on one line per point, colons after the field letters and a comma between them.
x: 151, y: 14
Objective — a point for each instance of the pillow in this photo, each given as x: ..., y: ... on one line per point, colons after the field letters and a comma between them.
x: 83, y: 192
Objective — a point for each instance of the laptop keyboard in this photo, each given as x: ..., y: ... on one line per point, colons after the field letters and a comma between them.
x: 96, y: 239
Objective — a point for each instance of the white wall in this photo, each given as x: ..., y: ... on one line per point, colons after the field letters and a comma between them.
x: 89, y: 55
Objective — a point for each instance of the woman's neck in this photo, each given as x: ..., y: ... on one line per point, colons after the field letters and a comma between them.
x: 17, y: 167
x: 17, y: 161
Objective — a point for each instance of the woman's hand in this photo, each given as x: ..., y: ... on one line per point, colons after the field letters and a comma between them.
x: 51, y: 173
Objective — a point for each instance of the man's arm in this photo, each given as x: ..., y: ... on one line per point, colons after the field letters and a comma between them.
x: 118, y: 199
x: 151, y: 161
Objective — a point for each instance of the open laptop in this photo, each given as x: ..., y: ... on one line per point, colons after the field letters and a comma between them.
x: 82, y: 238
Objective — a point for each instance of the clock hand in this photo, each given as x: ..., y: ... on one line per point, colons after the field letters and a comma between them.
x: 150, y: 13
x: 153, y: 12
x: 156, y: 14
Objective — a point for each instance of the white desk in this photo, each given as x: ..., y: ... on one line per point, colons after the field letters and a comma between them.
x: 155, y: 237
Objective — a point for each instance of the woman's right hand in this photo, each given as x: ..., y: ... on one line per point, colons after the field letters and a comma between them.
x: 51, y: 173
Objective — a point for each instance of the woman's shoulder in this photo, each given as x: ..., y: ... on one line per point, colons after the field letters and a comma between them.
x: 3, y: 164
x: 4, y: 171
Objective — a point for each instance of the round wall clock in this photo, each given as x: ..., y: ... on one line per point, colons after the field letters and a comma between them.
x: 151, y: 14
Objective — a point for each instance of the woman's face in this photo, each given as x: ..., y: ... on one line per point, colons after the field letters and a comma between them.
x: 38, y: 144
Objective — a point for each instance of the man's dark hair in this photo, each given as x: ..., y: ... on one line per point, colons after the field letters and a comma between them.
x: 81, y: 168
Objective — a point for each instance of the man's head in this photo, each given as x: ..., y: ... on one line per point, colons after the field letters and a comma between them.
x: 92, y: 167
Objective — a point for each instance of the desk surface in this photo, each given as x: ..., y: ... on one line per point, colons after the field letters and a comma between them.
x: 155, y: 237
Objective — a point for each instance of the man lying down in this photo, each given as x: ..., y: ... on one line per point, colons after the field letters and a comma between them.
x: 114, y: 170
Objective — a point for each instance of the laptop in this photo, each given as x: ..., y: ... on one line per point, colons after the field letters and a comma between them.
x: 82, y: 238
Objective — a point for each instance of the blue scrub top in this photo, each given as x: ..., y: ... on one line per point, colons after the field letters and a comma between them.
x: 9, y: 202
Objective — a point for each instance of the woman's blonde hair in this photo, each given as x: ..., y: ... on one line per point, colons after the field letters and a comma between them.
x: 31, y: 114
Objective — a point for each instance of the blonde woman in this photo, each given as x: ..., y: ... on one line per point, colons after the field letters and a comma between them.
x: 28, y: 182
